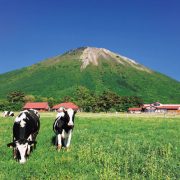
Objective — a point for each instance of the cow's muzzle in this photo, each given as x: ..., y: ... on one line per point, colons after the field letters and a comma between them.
x: 70, y: 124
x: 22, y: 161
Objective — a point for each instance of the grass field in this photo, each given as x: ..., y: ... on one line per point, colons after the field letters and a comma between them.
x: 104, y: 146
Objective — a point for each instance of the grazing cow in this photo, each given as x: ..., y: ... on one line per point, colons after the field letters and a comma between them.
x: 63, y: 127
x: 25, y: 129
x: 8, y: 113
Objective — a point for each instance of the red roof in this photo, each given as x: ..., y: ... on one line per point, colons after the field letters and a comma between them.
x: 135, y: 109
x: 66, y: 105
x: 168, y: 107
x: 36, y: 105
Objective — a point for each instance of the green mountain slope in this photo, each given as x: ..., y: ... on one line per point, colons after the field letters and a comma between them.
x: 60, y: 76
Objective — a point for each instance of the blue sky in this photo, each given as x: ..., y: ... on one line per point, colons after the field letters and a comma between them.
x: 147, y: 31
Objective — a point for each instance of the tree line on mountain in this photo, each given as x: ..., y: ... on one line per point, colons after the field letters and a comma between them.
x: 87, y: 100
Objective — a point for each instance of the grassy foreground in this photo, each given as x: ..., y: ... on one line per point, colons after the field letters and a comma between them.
x: 103, y: 147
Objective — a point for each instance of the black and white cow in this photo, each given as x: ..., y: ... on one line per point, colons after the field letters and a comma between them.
x: 8, y: 113
x: 25, y: 129
x: 63, y: 127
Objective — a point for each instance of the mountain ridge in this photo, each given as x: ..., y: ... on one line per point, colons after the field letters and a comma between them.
x: 60, y: 75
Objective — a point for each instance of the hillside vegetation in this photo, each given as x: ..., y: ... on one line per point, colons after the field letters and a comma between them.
x: 58, y: 77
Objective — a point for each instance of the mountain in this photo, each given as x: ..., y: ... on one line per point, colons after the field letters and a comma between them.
x: 98, y: 69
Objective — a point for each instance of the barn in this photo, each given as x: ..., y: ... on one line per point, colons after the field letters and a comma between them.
x: 40, y: 106
x: 65, y: 105
x: 135, y: 110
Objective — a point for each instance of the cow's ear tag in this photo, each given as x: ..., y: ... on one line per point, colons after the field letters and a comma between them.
x: 11, y: 145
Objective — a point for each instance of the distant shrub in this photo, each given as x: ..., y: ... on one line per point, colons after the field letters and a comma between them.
x: 112, y: 110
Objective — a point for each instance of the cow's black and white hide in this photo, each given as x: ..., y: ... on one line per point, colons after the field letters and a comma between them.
x: 8, y: 113
x: 63, y: 127
x: 35, y: 112
x: 25, y: 129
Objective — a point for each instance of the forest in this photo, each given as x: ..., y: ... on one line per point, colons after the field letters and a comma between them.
x: 87, y: 100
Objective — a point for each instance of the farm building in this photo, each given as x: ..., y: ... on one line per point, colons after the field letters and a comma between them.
x: 148, y: 108
x: 135, y: 110
x: 156, y: 108
x: 65, y: 105
x: 40, y: 106
x: 169, y: 108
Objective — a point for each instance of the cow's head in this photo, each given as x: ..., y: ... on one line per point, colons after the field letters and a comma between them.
x: 22, y: 149
x: 11, y: 113
x: 69, y: 114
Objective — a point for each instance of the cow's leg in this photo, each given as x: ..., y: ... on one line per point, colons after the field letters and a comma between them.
x: 33, y: 139
x: 14, y: 153
x: 58, y: 129
x: 63, y: 138
x: 14, y: 150
x: 68, y: 139
x: 59, y: 142
x: 65, y: 135
x: 30, y: 148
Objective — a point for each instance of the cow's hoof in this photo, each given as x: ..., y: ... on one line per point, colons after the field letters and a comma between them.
x: 59, y: 148
x: 67, y: 149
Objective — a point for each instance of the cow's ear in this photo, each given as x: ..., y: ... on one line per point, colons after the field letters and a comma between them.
x: 11, y: 145
x: 64, y: 110
x: 32, y: 143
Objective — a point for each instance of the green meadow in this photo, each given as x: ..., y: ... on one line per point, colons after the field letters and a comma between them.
x: 104, y: 146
